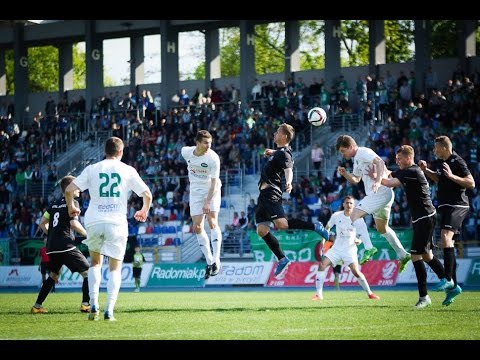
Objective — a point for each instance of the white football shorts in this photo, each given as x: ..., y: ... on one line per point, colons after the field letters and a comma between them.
x: 378, y: 204
x: 107, y: 239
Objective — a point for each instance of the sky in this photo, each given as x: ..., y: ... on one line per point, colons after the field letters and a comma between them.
x: 116, y: 54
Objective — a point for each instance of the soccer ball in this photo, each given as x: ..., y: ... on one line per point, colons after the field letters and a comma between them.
x: 317, y: 116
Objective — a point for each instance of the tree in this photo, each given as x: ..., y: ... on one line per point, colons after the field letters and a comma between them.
x: 79, y: 68
x: 269, y: 48
x: 312, y: 51
x: 398, y: 40
x: 230, y: 52
x: 43, y: 69
x: 354, y: 38
x: 443, y: 38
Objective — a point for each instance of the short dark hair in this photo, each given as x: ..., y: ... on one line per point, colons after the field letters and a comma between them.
x: 66, y: 180
x: 288, y: 130
x: 113, y: 146
x: 345, y: 141
x: 444, y: 141
x: 406, y: 150
x: 202, y: 134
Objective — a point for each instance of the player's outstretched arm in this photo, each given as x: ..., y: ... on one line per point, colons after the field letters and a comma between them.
x: 432, y: 175
x: 73, y: 210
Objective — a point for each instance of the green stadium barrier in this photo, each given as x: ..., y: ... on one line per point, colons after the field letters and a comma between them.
x: 301, y: 245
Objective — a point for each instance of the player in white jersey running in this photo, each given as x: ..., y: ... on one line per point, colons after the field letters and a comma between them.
x: 379, y: 198
x: 205, y: 197
x: 344, y: 249
x: 109, y: 183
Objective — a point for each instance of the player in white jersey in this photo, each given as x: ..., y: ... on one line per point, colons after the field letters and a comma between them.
x: 205, y: 197
x: 109, y: 183
x: 344, y: 249
x: 379, y: 198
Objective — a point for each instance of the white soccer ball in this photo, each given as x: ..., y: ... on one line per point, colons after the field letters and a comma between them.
x: 317, y: 116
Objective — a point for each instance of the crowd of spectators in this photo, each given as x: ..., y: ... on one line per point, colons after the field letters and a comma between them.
x: 153, y: 138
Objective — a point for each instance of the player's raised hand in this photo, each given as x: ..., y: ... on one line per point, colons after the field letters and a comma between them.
x: 422, y: 164
x: 268, y: 152
x: 288, y: 188
x: 447, y: 171
x: 341, y: 170
x: 73, y: 211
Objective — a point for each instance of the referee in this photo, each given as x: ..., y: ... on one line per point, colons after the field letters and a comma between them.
x: 453, y: 177
x: 423, y: 220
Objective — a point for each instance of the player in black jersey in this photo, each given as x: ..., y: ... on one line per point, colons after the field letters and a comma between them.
x: 269, y: 204
x: 423, y: 218
x: 453, y: 177
x: 60, y: 227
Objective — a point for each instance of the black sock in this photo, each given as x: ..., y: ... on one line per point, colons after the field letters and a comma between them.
x: 85, y: 295
x: 300, y: 224
x: 421, y: 274
x: 45, y: 290
x: 437, y: 267
x: 274, y: 245
x: 454, y: 270
x: 448, y: 262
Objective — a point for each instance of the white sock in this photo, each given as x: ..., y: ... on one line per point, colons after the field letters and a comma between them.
x: 364, y: 284
x: 113, y: 288
x: 94, y: 279
x: 319, y: 280
x: 362, y: 233
x: 204, y: 243
x: 395, y: 243
x: 216, y: 236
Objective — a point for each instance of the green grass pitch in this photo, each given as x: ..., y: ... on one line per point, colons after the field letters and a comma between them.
x: 244, y: 315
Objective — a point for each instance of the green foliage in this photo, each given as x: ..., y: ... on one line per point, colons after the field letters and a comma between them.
x: 443, y: 39
x: 269, y: 45
x: 398, y: 40
x: 9, y: 71
x: 199, y: 72
x: 230, y: 52
x: 43, y: 69
x: 269, y: 48
x: 477, y: 37
x: 354, y: 40
x: 312, y: 53
x: 79, y: 68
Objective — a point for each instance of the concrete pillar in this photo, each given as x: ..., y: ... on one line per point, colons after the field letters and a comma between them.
x: 65, y: 68
x: 376, y: 45
x: 292, y: 48
x: 94, y: 62
x: 422, y: 52
x: 212, y: 57
x: 3, y: 74
x: 169, y: 62
x: 332, y: 52
x: 20, y: 75
x: 137, y: 61
x: 467, y: 44
x: 247, y: 60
